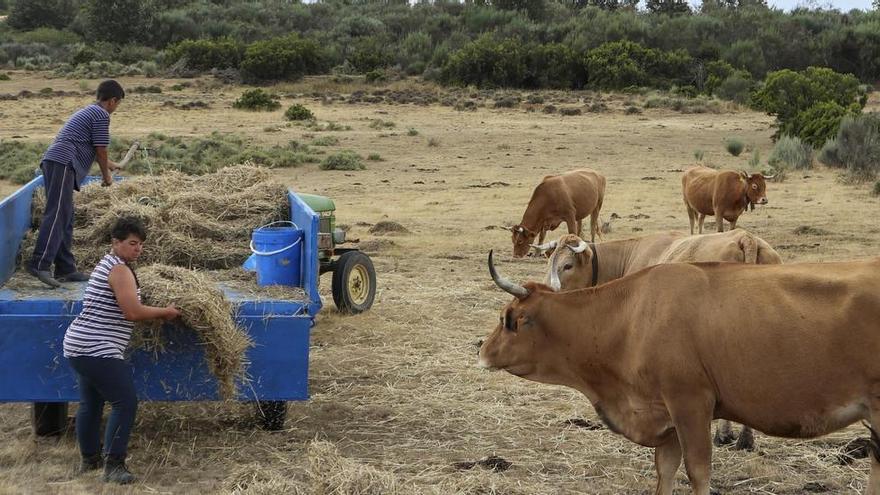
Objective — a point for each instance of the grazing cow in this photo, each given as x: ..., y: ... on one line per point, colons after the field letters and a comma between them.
x: 575, y: 264
x: 569, y: 198
x: 790, y: 350
x: 725, y: 194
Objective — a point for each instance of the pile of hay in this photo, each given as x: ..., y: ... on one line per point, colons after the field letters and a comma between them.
x: 205, y: 310
x: 202, y: 222
x: 193, y: 222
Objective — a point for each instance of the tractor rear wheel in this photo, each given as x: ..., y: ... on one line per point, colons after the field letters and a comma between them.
x: 354, y: 283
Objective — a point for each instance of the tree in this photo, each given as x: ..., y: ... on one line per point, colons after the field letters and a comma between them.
x: 119, y: 21
x: 670, y: 7
x: 27, y: 15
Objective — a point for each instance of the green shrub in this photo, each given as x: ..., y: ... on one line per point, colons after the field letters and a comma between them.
x: 381, y: 124
x: 876, y: 191
x: 205, y: 55
x: 4, y: 76
x: 734, y: 146
x: 344, y: 160
x: 755, y: 159
x: 698, y: 155
x: 375, y: 76
x: 817, y: 124
x: 257, y: 99
x: 786, y: 94
x: 737, y: 87
x: 369, y: 54
x: 298, y: 112
x: 19, y: 160
x: 790, y: 152
x: 829, y: 155
x: 208, y: 154
x: 374, y: 157
x: 326, y: 141
x: 26, y: 15
x: 412, y: 132
x: 858, y: 145
x: 286, y: 58
x: 619, y: 64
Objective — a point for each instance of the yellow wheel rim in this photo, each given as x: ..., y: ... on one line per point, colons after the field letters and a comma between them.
x: 359, y: 284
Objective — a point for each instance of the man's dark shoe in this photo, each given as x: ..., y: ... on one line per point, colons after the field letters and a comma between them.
x: 44, y: 276
x: 73, y: 277
x: 89, y: 463
x: 115, y: 470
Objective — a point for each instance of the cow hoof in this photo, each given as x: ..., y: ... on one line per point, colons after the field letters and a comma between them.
x: 721, y: 439
x: 746, y: 440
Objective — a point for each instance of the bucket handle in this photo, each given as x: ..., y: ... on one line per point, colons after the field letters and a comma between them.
x: 278, y: 221
x: 285, y: 248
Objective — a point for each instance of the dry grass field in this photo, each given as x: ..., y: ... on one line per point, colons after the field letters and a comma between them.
x: 397, y: 404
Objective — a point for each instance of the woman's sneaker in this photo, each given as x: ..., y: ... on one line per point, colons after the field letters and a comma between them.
x: 115, y: 470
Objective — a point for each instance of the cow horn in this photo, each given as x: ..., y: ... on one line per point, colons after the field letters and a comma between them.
x: 545, y: 247
x: 508, y: 286
x: 580, y: 248
x: 769, y: 177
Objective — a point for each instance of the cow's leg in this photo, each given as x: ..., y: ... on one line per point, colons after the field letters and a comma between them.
x: 733, y: 223
x: 595, y: 228
x: 724, y: 434
x: 702, y: 217
x: 693, y: 423
x: 719, y: 222
x: 692, y: 216
x: 873, y: 487
x: 746, y: 440
x: 667, y: 458
x: 580, y: 228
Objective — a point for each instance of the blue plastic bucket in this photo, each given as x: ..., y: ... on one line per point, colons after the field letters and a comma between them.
x: 277, y: 254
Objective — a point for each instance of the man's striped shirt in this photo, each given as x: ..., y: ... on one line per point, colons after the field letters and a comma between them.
x: 100, y: 330
x: 76, y: 141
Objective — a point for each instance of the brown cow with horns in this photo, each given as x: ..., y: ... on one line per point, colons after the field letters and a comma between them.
x: 725, y: 194
x: 569, y: 198
x: 790, y: 350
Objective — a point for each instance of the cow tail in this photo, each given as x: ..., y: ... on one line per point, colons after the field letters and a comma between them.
x: 749, y: 247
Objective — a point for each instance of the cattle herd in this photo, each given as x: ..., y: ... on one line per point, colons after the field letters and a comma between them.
x: 666, y: 332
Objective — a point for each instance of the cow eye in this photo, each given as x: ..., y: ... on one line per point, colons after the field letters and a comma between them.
x: 567, y: 266
x: 754, y: 186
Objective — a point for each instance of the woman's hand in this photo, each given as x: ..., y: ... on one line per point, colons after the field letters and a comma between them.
x: 171, y: 312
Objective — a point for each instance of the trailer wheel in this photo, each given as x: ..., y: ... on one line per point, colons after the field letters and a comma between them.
x: 49, y: 418
x: 354, y: 283
x: 271, y: 414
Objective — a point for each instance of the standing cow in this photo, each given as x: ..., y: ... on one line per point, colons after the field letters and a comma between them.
x: 790, y: 350
x: 569, y: 198
x: 725, y: 194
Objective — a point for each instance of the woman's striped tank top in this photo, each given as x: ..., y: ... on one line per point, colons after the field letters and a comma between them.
x: 100, y: 330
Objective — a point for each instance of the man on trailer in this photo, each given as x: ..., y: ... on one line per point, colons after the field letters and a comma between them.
x: 83, y: 139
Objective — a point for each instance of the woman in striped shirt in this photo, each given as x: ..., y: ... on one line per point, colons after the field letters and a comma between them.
x: 94, y: 344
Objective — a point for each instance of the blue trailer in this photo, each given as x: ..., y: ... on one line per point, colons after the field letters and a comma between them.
x: 32, y: 325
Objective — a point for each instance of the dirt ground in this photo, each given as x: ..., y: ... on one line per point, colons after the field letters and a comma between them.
x: 397, y: 404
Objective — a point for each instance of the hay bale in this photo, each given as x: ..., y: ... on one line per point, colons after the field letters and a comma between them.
x: 204, y: 309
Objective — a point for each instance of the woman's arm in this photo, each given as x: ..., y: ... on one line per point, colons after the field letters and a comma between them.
x: 124, y: 286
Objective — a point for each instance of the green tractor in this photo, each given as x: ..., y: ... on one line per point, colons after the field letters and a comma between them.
x: 354, y: 278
